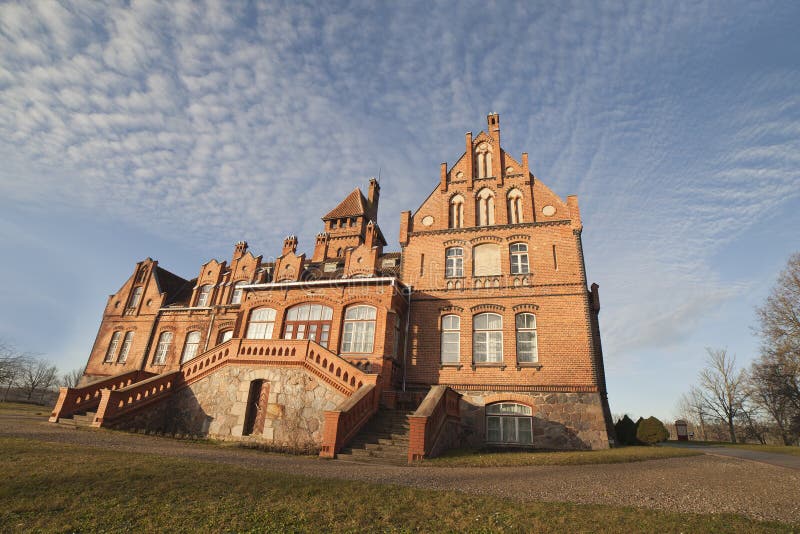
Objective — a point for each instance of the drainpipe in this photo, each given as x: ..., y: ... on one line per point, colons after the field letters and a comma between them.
x: 405, y: 338
x: 210, y: 328
x: 150, y: 340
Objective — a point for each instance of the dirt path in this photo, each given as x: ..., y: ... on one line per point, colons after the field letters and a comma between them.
x: 780, y: 460
x: 701, y: 484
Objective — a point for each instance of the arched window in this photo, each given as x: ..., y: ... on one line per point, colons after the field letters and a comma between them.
x: 136, y: 296
x: 519, y: 258
x: 483, y: 160
x: 225, y: 335
x: 191, y: 346
x: 484, y: 208
x: 359, y: 329
x: 487, y: 338
x: 262, y: 321
x: 457, y: 212
x: 339, y: 252
x: 527, y: 347
x: 164, y: 342
x: 203, y: 295
x: 309, y: 321
x: 236, y: 296
x: 454, y: 262
x: 486, y: 260
x: 514, y: 202
x: 126, y: 347
x: 451, y: 339
x: 112, y: 347
x: 509, y: 423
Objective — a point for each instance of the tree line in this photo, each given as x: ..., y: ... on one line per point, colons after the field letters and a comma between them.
x: 30, y: 377
x: 760, y: 403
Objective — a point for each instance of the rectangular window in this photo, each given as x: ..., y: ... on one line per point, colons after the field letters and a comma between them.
x: 454, y: 262
x: 126, y: 347
x: 112, y: 347
x: 451, y: 339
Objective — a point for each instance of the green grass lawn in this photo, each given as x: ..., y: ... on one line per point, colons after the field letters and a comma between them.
x: 59, y: 488
x: 25, y: 409
x: 475, y: 458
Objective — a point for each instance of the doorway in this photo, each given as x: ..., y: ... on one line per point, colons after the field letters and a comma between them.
x: 256, y: 411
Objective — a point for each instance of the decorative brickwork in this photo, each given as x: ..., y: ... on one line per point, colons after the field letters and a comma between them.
x: 492, y: 251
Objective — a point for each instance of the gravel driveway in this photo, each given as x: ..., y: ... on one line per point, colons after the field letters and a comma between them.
x: 701, y: 484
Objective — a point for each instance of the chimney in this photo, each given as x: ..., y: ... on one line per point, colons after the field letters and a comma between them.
x: 320, y: 247
x: 289, y: 245
x: 370, y: 237
x: 443, y: 177
x: 239, y: 249
x: 526, y: 171
x: 373, y: 197
x: 468, y: 160
x: 405, y: 227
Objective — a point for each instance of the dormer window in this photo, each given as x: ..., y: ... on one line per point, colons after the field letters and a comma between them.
x: 203, y: 295
x: 236, y: 297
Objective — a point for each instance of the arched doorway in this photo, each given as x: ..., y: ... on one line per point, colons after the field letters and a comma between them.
x: 309, y: 321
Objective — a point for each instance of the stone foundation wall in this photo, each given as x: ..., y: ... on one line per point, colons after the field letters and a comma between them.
x: 215, y: 407
x: 560, y: 420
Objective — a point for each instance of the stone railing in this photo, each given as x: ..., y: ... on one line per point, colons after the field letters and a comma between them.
x: 440, y: 406
x: 342, y: 424
x: 118, y: 402
x: 72, y: 400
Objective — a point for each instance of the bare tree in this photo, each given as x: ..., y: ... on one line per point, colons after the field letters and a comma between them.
x: 722, y: 388
x: 72, y: 378
x: 37, y: 375
x: 777, y: 372
x: 11, y: 363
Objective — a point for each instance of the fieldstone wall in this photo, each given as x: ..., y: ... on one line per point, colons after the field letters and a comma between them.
x: 215, y: 407
x: 560, y: 420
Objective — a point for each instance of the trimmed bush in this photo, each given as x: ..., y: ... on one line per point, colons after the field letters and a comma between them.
x: 626, y: 431
x: 651, y: 431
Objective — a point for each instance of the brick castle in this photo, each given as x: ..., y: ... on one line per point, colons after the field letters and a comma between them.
x: 480, y: 332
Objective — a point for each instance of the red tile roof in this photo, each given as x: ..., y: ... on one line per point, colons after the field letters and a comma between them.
x: 354, y: 204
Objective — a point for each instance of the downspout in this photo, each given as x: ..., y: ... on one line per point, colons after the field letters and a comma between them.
x: 150, y: 340
x: 210, y: 327
x: 405, y: 338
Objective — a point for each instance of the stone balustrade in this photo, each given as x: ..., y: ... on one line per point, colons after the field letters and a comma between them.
x: 440, y: 405
x: 72, y: 400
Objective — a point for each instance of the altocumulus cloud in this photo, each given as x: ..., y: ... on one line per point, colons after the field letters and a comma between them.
x: 213, y: 118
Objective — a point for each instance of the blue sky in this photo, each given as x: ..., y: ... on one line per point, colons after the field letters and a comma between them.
x: 174, y: 129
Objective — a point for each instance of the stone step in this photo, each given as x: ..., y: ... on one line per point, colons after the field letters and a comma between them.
x: 371, y: 455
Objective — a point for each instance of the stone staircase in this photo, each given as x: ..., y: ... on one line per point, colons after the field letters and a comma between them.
x: 81, y: 419
x: 383, y: 440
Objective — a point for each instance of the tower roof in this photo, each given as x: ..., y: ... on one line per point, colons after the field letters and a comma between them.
x: 353, y: 205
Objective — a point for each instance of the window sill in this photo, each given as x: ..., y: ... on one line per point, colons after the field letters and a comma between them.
x: 500, y: 366
x: 456, y: 366
x: 533, y: 365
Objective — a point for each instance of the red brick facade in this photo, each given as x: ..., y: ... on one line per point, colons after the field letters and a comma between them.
x: 516, y: 249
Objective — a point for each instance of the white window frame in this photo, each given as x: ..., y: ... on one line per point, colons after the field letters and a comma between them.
x: 509, y: 423
x: 127, y: 341
x: 358, y: 334
x: 527, y: 329
x: 236, y: 295
x: 454, y: 262
x: 203, y: 295
x: 451, y: 340
x: 487, y: 339
x: 519, y: 258
x: 191, y: 347
x: 112, y: 347
x: 261, y: 324
x: 164, y: 343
